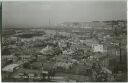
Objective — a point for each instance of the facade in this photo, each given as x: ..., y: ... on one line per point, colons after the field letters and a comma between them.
x: 98, y: 48
x: 25, y: 57
x: 11, y: 68
x: 5, y: 59
x: 46, y: 50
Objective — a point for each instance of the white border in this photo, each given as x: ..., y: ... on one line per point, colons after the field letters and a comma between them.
x: 62, y: 0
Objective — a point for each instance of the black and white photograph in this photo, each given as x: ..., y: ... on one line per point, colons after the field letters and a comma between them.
x: 63, y: 41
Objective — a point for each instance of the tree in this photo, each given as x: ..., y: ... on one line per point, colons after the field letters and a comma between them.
x: 26, y: 65
x: 100, y: 74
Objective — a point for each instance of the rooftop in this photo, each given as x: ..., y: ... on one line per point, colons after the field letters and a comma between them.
x: 9, y: 68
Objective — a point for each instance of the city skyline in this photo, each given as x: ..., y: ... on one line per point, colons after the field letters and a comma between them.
x: 41, y: 12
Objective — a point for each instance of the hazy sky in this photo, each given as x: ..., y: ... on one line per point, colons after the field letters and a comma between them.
x: 38, y: 13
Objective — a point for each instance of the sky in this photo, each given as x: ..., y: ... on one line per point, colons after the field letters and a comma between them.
x: 41, y: 13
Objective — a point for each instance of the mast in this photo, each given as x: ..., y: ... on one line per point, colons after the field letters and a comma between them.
x: 49, y: 21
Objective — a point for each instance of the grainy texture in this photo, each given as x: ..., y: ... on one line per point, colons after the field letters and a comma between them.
x: 64, y: 41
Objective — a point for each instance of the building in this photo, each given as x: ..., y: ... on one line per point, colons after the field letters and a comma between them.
x: 67, y: 52
x: 11, y: 68
x: 95, y: 45
x: 98, y: 48
x: 7, y: 59
x: 64, y: 34
x: 31, y: 74
x: 47, y: 50
x: 62, y: 44
x: 89, y: 42
x: 25, y: 57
